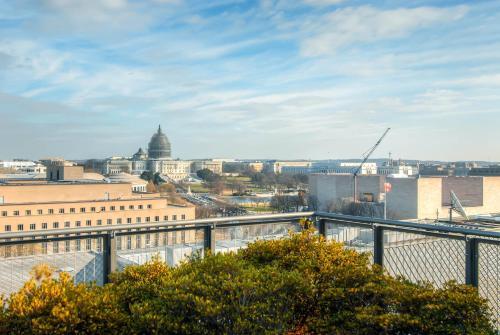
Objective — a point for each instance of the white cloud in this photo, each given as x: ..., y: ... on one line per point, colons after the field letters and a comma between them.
x: 322, y: 3
x: 368, y: 24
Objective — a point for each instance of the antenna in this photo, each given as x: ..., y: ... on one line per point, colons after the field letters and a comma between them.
x: 456, y: 206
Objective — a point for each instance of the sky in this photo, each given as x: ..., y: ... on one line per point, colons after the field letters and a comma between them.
x: 287, y: 79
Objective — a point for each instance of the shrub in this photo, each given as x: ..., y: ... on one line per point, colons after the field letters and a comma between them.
x: 45, y: 305
x: 220, y: 294
x: 299, y: 285
x: 349, y: 296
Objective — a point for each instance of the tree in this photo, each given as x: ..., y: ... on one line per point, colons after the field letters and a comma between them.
x: 207, y: 175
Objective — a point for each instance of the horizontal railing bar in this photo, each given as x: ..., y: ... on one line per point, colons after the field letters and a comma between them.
x: 405, y: 224
x: 396, y: 229
x: 51, y: 238
x: 200, y: 223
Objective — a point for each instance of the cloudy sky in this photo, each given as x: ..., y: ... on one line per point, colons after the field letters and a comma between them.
x: 282, y: 78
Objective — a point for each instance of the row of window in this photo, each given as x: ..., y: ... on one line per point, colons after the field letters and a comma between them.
x: 29, y: 212
x: 67, y: 224
x: 122, y: 243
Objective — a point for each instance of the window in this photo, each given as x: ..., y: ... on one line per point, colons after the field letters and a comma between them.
x: 140, y: 206
x: 129, y: 220
x: 138, y: 241
x: 174, y: 217
x: 67, y: 224
x: 122, y: 208
x: 8, y: 227
x: 148, y: 219
x: 99, y: 222
x: 4, y: 213
x: 88, y: 222
x: 71, y: 210
x: 129, y: 242
x: 183, y: 217
x: 78, y: 245
x: 148, y: 240
x: 157, y: 218
x: 20, y: 227
x: 27, y: 212
x: 82, y: 210
x: 88, y: 244
x: 32, y: 226
x: 92, y: 209
x: 16, y: 213
x: 51, y: 211
x: 131, y: 207
x: 44, y: 225
x: 150, y: 206
x: 138, y: 219
x: 67, y: 246
x: 119, y: 221
x: 112, y: 208
x: 109, y: 221
x: 78, y: 223
x: 39, y: 212
x: 165, y: 218
x: 55, y: 247
x: 55, y: 225
x: 103, y: 209
x: 61, y: 210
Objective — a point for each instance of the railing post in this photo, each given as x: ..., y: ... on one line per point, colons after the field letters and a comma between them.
x: 378, y: 245
x: 210, y: 238
x: 109, y: 253
x: 472, y: 262
x: 322, y: 227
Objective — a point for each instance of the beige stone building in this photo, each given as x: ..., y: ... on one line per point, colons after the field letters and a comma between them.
x: 412, y: 197
x: 55, y: 205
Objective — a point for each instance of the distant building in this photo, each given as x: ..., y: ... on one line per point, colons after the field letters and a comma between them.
x: 277, y: 166
x: 412, y: 197
x: 16, y: 165
x: 158, y: 159
x: 398, y: 169
x: 64, y: 204
x: 492, y: 170
x: 212, y: 165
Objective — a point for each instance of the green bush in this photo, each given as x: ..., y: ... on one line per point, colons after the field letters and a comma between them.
x: 299, y: 285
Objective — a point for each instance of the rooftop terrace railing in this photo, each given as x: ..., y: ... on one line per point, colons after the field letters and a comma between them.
x: 420, y: 252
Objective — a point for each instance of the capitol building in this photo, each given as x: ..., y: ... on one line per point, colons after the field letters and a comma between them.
x: 157, y: 159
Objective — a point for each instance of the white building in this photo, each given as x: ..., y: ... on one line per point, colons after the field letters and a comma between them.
x: 213, y: 165
x: 395, y: 170
x: 16, y: 164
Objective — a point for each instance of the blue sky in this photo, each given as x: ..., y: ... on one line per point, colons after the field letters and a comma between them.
x: 251, y: 79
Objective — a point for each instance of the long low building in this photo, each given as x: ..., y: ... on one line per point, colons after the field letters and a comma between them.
x: 54, y: 205
x: 411, y: 197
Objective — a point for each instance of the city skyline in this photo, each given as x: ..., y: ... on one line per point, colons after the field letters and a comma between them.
x: 315, y: 79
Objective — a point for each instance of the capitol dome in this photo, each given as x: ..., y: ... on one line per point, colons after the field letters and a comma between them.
x: 159, y: 146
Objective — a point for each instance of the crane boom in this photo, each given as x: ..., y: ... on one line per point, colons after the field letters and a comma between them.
x: 366, y: 157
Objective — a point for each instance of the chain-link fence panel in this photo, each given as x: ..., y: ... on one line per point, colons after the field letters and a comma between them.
x: 489, y: 277
x: 425, y: 258
x: 83, y: 259
x: 172, y: 247
x: 353, y: 237
x: 236, y: 237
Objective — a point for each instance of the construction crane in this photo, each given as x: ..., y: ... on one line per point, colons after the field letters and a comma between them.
x: 366, y: 156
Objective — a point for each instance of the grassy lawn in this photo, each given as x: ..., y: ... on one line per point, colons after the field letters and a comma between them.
x: 259, y: 209
x: 199, y: 188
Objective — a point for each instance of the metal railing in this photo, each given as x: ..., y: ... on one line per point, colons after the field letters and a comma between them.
x: 419, y: 252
